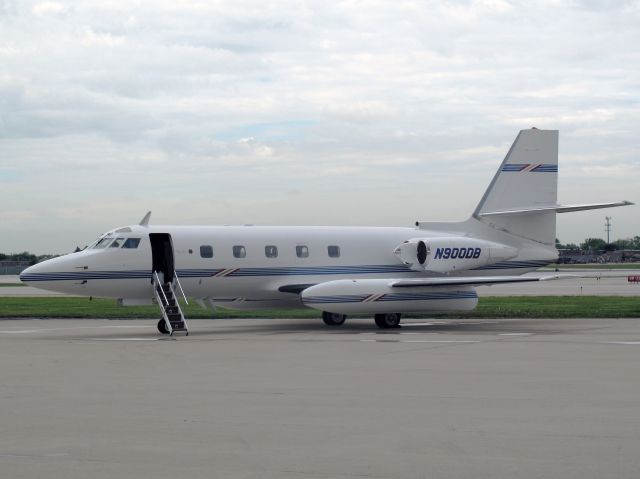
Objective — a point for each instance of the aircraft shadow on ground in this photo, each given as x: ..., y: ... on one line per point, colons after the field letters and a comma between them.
x: 219, y: 329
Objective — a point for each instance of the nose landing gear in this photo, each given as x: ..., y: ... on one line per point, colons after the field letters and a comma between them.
x: 162, y: 327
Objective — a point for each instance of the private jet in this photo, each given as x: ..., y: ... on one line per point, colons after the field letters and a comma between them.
x: 381, y: 271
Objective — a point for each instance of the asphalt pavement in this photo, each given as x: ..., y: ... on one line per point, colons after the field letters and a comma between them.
x: 295, y: 399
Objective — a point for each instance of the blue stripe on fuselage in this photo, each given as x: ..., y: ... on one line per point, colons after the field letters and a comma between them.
x: 262, y: 272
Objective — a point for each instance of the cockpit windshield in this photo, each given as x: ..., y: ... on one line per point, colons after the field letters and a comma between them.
x: 111, y: 242
x: 103, y: 243
x: 117, y: 243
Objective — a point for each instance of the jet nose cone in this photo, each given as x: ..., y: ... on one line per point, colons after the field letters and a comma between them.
x: 27, y: 274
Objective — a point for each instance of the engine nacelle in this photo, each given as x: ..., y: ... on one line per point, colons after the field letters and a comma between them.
x: 446, y: 255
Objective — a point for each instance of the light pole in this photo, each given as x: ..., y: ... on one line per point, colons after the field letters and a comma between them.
x: 607, y: 227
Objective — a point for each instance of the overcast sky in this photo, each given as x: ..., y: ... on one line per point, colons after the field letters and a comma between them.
x: 352, y: 112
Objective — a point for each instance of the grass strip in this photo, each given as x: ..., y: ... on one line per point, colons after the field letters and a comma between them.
x: 11, y: 285
x: 488, y: 307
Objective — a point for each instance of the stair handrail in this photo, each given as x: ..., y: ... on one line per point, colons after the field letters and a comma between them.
x: 156, y: 285
x: 175, y: 275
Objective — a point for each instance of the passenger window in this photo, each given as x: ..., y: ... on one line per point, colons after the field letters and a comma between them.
x: 206, y: 251
x: 239, y: 251
x: 131, y: 243
x: 302, y: 251
x: 271, y: 251
x: 117, y: 243
x: 334, y: 251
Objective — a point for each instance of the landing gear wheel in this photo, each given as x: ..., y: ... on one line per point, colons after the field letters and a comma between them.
x: 333, y: 319
x: 162, y: 327
x: 389, y: 320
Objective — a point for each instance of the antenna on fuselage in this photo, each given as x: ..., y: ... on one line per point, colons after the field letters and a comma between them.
x: 145, y: 220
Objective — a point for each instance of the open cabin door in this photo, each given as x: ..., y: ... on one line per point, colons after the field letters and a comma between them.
x: 162, y: 255
x: 163, y: 264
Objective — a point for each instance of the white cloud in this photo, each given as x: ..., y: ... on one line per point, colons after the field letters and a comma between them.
x: 46, y: 8
x: 615, y: 171
x: 105, y: 106
x: 91, y: 38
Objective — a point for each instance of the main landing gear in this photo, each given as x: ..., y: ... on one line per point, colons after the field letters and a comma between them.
x: 333, y: 319
x: 388, y: 320
x: 383, y: 321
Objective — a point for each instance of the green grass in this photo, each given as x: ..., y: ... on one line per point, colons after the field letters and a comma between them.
x: 36, y: 307
x: 557, y: 307
x: 488, y: 307
x: 11, y: 285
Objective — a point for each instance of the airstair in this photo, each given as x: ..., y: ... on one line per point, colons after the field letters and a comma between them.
x: 173, y: 319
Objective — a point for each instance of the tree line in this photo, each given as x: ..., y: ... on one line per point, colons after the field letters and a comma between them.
x: 25, y: 256
x: 598, y: 244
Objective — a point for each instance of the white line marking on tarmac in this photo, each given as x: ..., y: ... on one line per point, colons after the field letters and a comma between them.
x: 433, y: 323
x: 415, y: 341
x: 434, y: 341
x: 124, y: 339
x: 395, y: 333
x: 628, y: 343
x: 26, y: 331
x: 515, y: 334
x: 22, y: 332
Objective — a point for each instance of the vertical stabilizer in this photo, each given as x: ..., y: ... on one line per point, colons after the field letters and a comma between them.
x: 526, y: 179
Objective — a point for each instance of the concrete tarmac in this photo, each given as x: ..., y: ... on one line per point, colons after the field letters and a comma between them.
x: 295, y: 399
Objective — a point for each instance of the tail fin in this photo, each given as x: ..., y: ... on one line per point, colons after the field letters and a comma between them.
x: 522, y: 199
x: 524, y: 190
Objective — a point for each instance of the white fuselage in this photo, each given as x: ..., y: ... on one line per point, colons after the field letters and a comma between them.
x: 208, y: 267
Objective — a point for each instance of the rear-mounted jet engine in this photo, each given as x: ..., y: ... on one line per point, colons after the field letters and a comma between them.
x: 446, y: 255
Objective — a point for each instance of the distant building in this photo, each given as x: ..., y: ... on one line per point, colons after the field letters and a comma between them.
x: 13, y: 267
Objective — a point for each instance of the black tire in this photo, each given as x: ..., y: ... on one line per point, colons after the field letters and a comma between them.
x: 388, y: 320
x: 333, y: 319
x: 162, y: 327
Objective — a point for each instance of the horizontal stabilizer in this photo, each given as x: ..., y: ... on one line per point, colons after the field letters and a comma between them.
x: 558, y: 208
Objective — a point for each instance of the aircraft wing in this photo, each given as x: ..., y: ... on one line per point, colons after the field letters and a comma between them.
x: 485, y: 280
x: 466, y: 281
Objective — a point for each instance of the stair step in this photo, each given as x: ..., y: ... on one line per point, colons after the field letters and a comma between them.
x: 166, y: 297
